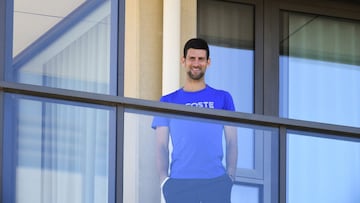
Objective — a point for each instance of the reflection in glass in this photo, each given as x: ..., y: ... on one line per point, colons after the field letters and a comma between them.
x: 140, y: 172
x: 46, y: 16
x: 229, y: 29
x: 68, y: 48
x: 231, y: 69
x: 322, y: 168
x: 320, y: 69
x: 56, y: 151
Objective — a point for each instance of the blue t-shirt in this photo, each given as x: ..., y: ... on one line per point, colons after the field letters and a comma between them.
x: 197, y: 145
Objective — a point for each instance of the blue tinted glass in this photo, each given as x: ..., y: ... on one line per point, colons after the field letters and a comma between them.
x: 69, y: 45
x: 319, y: 69
x: 141, y: 175
x: 56, y: 151
x: 232, y: 69
x: 322, y: 168
x: 248, y: 194
x: 229, y: 29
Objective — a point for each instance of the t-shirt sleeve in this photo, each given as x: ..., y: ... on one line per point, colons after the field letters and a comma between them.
x: 160, y: 120
x: 229, y: 102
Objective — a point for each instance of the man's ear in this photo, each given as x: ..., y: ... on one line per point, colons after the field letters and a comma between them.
x: 208, y: 62
x: 182, y: 60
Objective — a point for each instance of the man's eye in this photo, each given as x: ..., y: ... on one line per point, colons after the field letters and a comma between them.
x: 198, y: 59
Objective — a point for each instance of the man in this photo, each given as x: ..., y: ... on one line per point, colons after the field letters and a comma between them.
x: 196, y: 170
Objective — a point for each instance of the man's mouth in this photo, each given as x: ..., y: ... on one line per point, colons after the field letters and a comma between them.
x: 195, y: 70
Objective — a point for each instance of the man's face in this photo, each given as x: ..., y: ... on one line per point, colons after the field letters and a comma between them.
x: 196, y: 63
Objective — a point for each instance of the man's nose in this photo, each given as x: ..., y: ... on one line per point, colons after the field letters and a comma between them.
x: 196, y: 62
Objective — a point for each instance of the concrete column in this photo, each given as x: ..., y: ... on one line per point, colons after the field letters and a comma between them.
x: 171, y: 45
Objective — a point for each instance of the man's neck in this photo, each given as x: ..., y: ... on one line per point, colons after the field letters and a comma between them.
x: 194, y: 86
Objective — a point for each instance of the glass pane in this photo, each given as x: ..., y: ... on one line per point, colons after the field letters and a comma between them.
x: 229, y: 29
x: 248, y: 194
x: 141, y: 176
x: 320, y: 69
x: 322, y: 168
x: 67, y: 45
x: 56, y: 151
x: 46, y: 13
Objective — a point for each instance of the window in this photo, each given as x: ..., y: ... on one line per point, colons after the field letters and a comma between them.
x: 320, y: 69
x: 319, y: 81
x: 229, y: 29
x: 66, y: 46
x: 58, y: 150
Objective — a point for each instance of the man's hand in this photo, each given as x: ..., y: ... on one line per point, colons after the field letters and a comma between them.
x: 162, y: 179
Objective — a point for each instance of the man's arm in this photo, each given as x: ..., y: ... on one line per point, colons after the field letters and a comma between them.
x: 162, y: 151
x: 231, y: 150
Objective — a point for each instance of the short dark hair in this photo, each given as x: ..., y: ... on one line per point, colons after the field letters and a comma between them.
x: 196, y: 43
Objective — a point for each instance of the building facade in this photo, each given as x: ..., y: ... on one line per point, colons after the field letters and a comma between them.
x: 80, y: 83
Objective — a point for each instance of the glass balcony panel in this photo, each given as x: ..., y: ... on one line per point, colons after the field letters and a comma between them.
x: 56, y: 151
x: 141, y: 178
x: 322, y: 168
